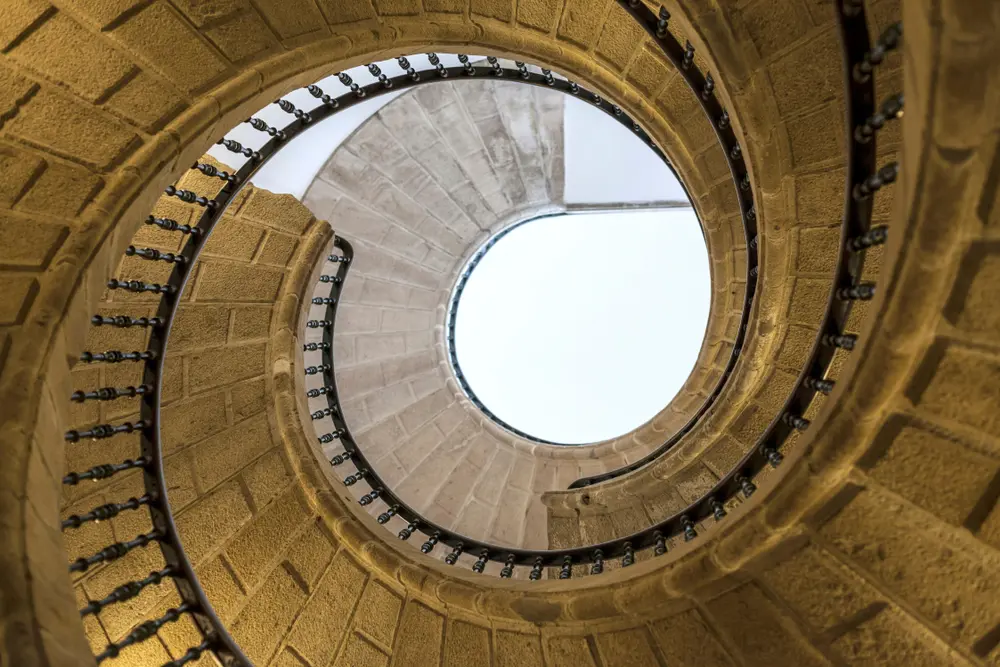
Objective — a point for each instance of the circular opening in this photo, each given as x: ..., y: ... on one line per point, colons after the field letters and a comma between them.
x: 578, y: 328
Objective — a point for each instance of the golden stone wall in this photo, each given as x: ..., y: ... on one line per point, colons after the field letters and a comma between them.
x: 229, y: 486
x: 786, y: 62
x: 879, y: 545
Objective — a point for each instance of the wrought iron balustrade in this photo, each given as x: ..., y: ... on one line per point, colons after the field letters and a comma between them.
x: 861, y: 63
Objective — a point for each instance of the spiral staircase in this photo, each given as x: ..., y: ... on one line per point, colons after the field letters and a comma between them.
x: 194, y: 471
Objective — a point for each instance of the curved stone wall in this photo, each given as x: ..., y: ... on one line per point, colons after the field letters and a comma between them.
x: 803, y: 200
x: 229, y: 486
x: 417, y: 190
x: 840, y: 563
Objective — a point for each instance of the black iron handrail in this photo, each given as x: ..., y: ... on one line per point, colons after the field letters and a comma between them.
x: 857, y: 235
x: 164, y: 533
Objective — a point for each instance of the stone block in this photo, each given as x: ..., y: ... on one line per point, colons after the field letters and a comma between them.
x: 818, y: 250
x: 395, y: 204
x: 388, y: 401
x: 262, y: 542
x: 749, y: 426
x: 201, y: 14
x: 509, y: 524
x: 311, y: 553
x: 419, y: 340
x: 466, y: 644
x: 796, y: 347
x: 958, y: 383
x: 225, y: 454
x: 247, y: 399
x: 174, y: 48
x: 95, y: 67
x: 685, y: 640
x: 251, y: 323
x: 378, y: 613
x: 27, y: 244
x: 357, y: 319
x: 581, y: 21
x: 450, y: 418
x: 21, y: 17
x: 208, y: 523
x: 893, y: 638
x: 375, y: 144
x: 763, y: 635
x: 280, y: 211
x: 266, y: 618
x: 916, y: 558
x: 819, y: 588
x: 412, y: 274
x: 405, y: 320
x: 809, y: 75
x: 423, y: 630
x: 242, y: 37
x: 405, y: 243
x: 382, y: 439
x: 456, y: 489
x: 694, y: 481
x: 225, y: 365
x: 233, y: 239
x: 84, y: 134
x: 475, y: 519
x: 382, y: 293
x: 414, y: 416
x: 773, y: 29
x: 438, y: 203
x: 199, y: 326
x: 411, y: 452
x: 440, y: 163
x: 420, y: 486
x: 290, y: 18
x: 515, y: 649
x: 627, y: 647
x: 350, y: 173
x: 186, y: 422
x: 440, y: 235
x: 408, y: 124
x: 228, y: 281
x: 808, y: 302
x: 905, y: 451
x: 374, y: 347
x: 359, y: 380
x: 324, y: 620
x: 226, y: 595
x: 20, y: 293
x: 816, y: 136
x: 970, y: 307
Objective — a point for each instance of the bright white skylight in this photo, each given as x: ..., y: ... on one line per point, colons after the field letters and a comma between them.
x: 579, y: 328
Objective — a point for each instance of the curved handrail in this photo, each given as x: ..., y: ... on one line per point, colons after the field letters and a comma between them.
x: 856, y: 236
x: 164, y: 533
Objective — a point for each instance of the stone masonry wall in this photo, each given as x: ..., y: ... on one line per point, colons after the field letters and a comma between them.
x: 228, y: 484
x: 404, y: 189
x: 799, y: 249
x: 895, y: 561
x: 157, y: 84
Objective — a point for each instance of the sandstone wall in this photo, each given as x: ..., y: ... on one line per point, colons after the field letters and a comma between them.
x: 894, y: 574
x: 779, y: 49
x: 229, y: 486
x: 417, y: 190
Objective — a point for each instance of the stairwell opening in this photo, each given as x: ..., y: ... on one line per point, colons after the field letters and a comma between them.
x: 578, y: 328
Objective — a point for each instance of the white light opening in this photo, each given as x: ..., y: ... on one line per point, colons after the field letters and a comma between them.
x: 580, y: 328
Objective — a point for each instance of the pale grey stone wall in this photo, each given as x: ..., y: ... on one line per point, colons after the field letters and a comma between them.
x: 416, y: 190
